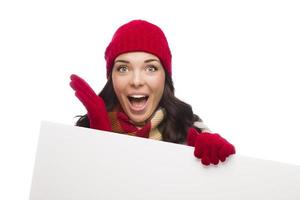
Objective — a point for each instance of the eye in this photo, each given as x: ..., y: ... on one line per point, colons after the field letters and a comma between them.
x: 122, y: 68
x: 151, y: 68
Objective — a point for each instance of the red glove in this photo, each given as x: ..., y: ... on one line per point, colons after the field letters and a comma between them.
x: 209, y: 147
x: 94, y: 104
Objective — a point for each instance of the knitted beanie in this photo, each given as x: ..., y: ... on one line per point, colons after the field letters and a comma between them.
x: 139, y: 35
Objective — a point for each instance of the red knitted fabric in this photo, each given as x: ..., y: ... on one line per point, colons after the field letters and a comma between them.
x: 129, y: 128
x: 121, y: 123
x: 209, y: 147
x: 139, y: 35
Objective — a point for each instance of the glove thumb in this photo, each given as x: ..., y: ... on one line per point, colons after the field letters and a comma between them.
x: 191, y: 136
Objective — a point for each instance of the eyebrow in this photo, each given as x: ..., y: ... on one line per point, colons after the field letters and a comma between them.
x: 146, y: 61
x: 124, y: 61
x: 150, y: 60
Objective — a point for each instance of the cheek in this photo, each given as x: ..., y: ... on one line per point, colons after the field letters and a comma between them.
x: 160, y: 91
x: 119, y: 86
x: 158, y: 88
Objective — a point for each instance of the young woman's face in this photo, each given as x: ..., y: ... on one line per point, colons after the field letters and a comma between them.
x: 139, y: 81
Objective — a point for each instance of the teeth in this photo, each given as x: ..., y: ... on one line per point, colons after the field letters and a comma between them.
x: 138, y: 96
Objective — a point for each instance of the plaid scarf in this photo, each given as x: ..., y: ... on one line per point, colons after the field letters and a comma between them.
x: 121, y: 123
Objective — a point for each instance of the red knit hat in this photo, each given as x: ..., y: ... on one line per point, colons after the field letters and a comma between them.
x: 139, y: 35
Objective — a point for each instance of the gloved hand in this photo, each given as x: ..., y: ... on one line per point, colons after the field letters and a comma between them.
x: 209, y: 147
x: 94, y: 104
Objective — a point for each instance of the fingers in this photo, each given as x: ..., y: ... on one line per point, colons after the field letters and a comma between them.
x: 209, y: 158
x: 213, y: 155
x: 199, y: 150
x: 222, y: 154
x: 205, y: 160
x: 225, y: 151
x: 212, y: 148
x: 208, y: 155
x: 206, y: 152
x: 78, y: 84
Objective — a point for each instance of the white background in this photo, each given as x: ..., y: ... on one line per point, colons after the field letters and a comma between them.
x: 235, y: 62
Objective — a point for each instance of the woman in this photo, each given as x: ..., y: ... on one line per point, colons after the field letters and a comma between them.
x: 138, y: 98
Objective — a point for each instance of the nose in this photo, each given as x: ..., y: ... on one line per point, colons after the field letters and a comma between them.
x: 137, y: 79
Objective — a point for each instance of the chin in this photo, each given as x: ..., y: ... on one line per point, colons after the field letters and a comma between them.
x: 138, y: 120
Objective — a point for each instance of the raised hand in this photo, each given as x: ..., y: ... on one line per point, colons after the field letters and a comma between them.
x: 93, y: 103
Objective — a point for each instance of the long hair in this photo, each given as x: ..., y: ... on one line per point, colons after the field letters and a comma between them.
x: 179, y: 115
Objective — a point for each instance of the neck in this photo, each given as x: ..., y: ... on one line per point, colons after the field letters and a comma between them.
x: 139, y: 124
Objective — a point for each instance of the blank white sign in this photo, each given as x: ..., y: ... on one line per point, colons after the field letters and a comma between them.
x: 78, y: 163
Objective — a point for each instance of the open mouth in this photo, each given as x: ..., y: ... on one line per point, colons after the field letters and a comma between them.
x: 138, y: 102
